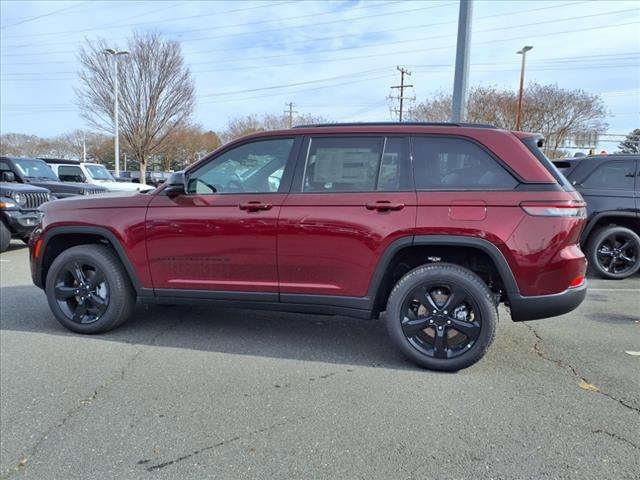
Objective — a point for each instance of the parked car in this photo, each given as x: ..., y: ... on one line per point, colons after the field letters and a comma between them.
x: 436, y: 224
x: 92, y: 173
x: 37, y: 173
x: 610, y: 186
x: 151, y: 178
x: 19, y: 212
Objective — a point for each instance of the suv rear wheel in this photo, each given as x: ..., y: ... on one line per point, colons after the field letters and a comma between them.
x: 88, y: 289
x: 442, y: 317
x: 614, y: 252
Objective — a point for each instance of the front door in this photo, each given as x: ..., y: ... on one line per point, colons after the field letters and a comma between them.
x: 221, y: 234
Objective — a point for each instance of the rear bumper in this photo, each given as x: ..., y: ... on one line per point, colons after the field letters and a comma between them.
x: 545, y: 306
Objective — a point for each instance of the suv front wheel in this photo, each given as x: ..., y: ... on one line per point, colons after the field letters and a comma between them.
x: 88, y: 289
x: 442, y: 317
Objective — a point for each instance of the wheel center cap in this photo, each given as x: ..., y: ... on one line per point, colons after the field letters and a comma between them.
x: 440, y: 319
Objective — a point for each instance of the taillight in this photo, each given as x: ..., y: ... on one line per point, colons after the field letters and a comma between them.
x: 555, y: 209
x: 577, y: 281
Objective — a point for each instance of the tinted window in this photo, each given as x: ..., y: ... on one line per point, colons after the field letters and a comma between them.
x: 612, y: 175
x: 255, y: 167
x: 70, y: 174
x: 456, y: 164
x: 356, y: 164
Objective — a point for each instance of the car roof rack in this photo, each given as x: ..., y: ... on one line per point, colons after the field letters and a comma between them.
x: 397, y: 124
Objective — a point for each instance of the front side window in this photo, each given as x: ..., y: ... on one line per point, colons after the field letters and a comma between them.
x: 455, y: 164
x: 255, y: 167
x: 612, y: 175
x: 356, y: 164
x: 70, y: 174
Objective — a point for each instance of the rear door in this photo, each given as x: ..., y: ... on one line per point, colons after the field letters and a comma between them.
x: 352, y: 196
x: 610, y: 186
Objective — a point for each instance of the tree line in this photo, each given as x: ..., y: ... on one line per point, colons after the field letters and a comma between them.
x: 157, y: 98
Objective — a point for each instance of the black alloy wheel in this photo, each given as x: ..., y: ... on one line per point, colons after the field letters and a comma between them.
x: 89, y: 290
x: 82, y: 291
x: 614, y: 252
x: 440, y: 320
x: 442, y: 316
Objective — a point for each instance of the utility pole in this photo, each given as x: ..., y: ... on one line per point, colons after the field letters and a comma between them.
x: 290, y: 112
x: 522, y: 52
x: 116, y: 129
x: 403, y: 71
x: 84, y: 148
x: 459, y: 111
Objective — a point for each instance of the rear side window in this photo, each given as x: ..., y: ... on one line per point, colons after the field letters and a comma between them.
x: 457, y: 164
x: 356, y: 164
x: 612, y: 176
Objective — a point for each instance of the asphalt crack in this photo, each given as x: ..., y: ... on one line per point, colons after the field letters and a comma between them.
x: 616, y: 437
x: 82, y: 403
x: 582, y: 382
x: 202, y: 450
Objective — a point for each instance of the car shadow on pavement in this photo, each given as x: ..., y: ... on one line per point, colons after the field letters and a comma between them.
x: 206, y: 327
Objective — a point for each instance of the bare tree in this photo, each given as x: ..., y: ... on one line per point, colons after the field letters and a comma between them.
x: 240, y: 126
x: 156, y: 92
x: 560, y: 115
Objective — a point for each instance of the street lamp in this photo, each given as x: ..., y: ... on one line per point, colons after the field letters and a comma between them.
x: 522, y: 52
x: 116, y: 54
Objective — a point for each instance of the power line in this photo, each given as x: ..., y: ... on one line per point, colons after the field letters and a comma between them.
x: 31, y: 19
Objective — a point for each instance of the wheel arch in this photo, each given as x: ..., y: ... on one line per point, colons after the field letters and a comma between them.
x: 59, y: 239
x: 391, y: 267
x: 629, y: 220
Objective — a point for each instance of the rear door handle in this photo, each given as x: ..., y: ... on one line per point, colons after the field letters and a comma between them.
x: 255, y: 206
x: 384, y: 206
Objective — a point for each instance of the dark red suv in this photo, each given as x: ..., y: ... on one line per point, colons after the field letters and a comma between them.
x: 434, y: 224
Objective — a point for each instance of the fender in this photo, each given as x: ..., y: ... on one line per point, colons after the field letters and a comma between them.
x: 448, y: 240
x: 110, y: 237
x: 599, y: 216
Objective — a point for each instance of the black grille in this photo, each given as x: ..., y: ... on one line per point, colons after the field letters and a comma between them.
x: 92, y: 191
x: 34, y: 200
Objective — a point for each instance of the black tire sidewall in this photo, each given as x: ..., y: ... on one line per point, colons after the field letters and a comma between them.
x: 447, y: 273
x: 596, y: 240
x: 5, y: 237
x: 121, y: 295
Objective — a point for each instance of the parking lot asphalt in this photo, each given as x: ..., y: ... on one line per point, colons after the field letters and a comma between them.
x: 202, y: 392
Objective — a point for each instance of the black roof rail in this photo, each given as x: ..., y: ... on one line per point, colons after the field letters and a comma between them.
x: 397, y: 124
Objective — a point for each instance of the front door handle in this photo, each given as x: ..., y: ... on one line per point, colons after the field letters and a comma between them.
x: 255, y: 206
x: 384, y: 206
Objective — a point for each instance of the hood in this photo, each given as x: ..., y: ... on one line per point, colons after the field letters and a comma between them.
x: 68, y: 187
x: 105, y: 200
x: 8, y: 187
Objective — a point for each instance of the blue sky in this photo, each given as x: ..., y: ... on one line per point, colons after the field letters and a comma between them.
x: 340, y: 54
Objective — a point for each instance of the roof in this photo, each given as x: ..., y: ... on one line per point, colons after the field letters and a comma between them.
x: 398, y: 124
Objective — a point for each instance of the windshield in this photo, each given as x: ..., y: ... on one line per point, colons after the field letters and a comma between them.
x: 98, y: 172
x: 35, y: 169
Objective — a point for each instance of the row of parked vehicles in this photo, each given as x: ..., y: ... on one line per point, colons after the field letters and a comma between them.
x: 434, y: 224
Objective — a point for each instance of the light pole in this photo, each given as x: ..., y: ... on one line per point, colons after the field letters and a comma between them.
x: 522, y: 52
x: 116, y: 54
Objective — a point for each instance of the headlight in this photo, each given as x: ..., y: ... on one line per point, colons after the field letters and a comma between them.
x: 7, y: 203
x: 19, y: 198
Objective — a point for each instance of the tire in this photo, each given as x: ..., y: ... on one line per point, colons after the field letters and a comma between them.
x: 458, y: 338
x: 104, y: 290
x: 5, y: 237
x: 614, y: 252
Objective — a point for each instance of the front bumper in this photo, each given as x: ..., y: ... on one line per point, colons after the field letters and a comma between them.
x: 21, y: 224
x: 545, y: 306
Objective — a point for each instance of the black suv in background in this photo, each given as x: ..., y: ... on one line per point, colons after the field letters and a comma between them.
x: 19, y: 212
x: 37, y: 172
x: 610, y: 185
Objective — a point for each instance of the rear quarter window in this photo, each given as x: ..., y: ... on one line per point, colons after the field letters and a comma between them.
x: 457, y: 164
x: 618, y: 175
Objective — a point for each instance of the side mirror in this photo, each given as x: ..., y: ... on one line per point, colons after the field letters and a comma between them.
x: 8, y: 177
x: 175, y: 185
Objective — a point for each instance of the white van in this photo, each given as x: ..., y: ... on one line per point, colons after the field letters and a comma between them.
x: 94, y: 173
